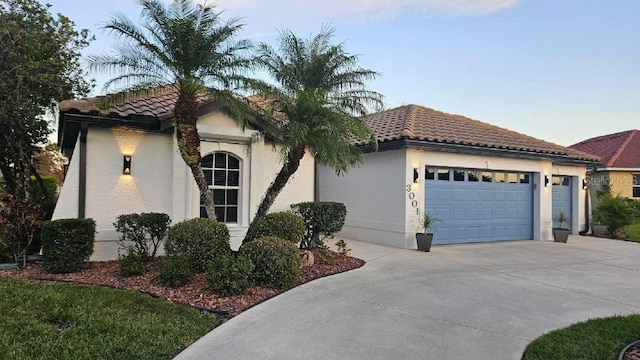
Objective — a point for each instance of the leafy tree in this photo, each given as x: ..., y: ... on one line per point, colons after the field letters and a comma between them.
x: 321, y: 90
x: 186, y: 49
x: 39, y: 64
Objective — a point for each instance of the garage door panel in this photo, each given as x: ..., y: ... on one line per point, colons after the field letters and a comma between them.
x: 480, y: 211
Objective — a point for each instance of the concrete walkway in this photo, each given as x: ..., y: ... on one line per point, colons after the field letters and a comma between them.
x: 472, y: 301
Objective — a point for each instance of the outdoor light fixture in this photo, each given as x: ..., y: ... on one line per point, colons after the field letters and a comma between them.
x: 416, y: 175
x: 584, y: 184
x: 546, y: 181
x: 126, y: 165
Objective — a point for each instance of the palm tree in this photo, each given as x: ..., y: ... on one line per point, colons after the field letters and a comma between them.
x: 322, y: 94
x: 183, y: 48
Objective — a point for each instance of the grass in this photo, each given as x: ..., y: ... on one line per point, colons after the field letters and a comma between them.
x: 597, y: 339
x: 65, y: 321
x: 633, y: 231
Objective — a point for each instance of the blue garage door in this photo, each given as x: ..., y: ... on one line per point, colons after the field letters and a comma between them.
x: 479, y: 205
x: 561, y: 198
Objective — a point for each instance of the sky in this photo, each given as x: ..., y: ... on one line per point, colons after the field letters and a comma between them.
x: 559, y: 70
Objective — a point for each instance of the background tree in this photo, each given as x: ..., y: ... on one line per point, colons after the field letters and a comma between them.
x: 183, y: 48
x: 321, y: 90
x: 39, y: 64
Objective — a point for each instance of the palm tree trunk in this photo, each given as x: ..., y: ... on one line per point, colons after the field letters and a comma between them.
x: 288, y: 169
x: 189, y: 144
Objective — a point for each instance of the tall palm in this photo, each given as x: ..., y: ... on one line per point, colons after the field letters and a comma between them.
x: 321, y: 92
x: 184, y: 48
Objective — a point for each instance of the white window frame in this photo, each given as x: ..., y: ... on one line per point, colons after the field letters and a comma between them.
x: 213, y: 187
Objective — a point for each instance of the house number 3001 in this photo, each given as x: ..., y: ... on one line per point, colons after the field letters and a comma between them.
x: 412, y: 197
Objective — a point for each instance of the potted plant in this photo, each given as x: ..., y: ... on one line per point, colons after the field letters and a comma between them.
x: 561, y: 232
x: 424, y: 239
x: 597, y: 227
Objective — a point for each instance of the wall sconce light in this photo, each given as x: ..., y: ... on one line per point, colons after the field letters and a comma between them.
x: 585, y: 183
x: 546, y: 181
x: 126, y: 165
x: 416, y: 175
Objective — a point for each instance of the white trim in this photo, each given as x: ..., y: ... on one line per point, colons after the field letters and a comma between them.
x: 617, y: 169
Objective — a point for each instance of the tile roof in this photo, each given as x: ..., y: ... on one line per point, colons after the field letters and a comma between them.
x: 159, y: 104
x: 618, y: 150
x: 414, y: 122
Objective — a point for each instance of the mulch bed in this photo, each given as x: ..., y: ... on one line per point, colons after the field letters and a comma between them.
x: 196, y: 293
x: 633, y: 353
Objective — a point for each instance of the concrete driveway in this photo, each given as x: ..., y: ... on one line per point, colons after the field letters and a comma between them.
x: 471, y: 301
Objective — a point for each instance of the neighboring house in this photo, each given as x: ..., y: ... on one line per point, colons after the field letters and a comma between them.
x: 128, y: 161
x: 483, y: 182
x: 620, y: 164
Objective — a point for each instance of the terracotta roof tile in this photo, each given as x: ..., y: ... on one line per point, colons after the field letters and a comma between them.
x: 414, y: 122
x: 621, y: 150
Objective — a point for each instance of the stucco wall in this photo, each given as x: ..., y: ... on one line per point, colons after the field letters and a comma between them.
x: 374, y: 195
x: 160, y: 181
x: 379, y: 194
x: 622, y: 183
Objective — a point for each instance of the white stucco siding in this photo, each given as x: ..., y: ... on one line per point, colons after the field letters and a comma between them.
x: 67, y: 204
x: 374, y: 194
x: 110, y: 193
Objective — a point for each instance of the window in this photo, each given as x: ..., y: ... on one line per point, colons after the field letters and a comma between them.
x: 474, y: 176
x: 524, y: 178
x: 429, y: 173
x: 500, y: 177
x: 636, y: 186
x: 556, y: 180
x: 443, y: 174
x: 487, y: 176
x: 512, y: 178
x: 458, y: 175
x: 222, y: 172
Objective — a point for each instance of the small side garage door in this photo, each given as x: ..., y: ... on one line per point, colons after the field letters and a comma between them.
x: 561, y: 198
x: 479, y: 205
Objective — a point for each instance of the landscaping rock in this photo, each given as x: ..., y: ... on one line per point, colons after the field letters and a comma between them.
x: 307, y: 258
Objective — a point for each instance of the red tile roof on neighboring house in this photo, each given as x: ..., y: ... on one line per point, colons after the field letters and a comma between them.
x: 619, y: 150
x: 414, y: 122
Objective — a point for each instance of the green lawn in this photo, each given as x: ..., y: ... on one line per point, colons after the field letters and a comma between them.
x: 633, y: 231
x: 64, y: 321
x: 597, y: 339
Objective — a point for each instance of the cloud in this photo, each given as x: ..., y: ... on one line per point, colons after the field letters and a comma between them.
x: 369, y: 8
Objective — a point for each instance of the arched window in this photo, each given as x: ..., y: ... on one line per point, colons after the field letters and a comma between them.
x: 222, y: 172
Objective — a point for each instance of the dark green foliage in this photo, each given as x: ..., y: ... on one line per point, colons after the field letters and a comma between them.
x: 276, y: 261
x: 323, y: 220
x: 283, y: 225
x: 131, y: 263
x: 595, y: 339
x: 67, y: 243
x: 174, y: 271
x: 20, y: 222
x: 229, y: 275
x: 143, y: 232
x: 614, y: 212
x: 68, y: 321
x: 322, y: 91
x: 634, y: 206
x: 200, y: 240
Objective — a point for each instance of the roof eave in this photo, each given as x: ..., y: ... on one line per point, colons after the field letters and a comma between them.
x: 403, y: 143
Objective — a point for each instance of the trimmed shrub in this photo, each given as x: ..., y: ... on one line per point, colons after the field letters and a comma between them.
x: 143, y: 232
x: 323, y: 220
x: 200, y: 240
x: 131, y: 263
x: 67, y: 243
x: 175, y: 271
x: 283, y: 225
x: 276, y: 261
x: 229, y: 275
x: 614, y: 212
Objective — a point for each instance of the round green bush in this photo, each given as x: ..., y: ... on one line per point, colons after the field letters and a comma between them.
x: 276, y: 261
x: 67, y: 244
x: 174, y: 271
x: 200, y: 240
x: 230, y: 275
x: 283, y: 225
x: 131, y: 263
